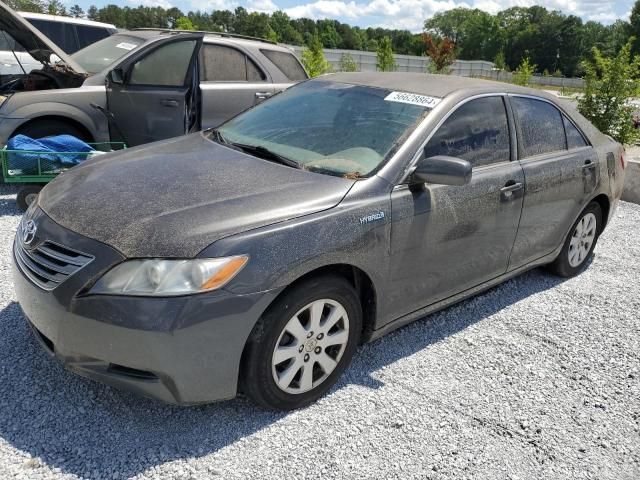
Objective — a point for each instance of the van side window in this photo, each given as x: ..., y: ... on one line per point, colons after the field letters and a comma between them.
x: 539, y: 126
x: 88, y: 35
x: 478, y: 132
x: 62, y: 34
x: 226, y: 64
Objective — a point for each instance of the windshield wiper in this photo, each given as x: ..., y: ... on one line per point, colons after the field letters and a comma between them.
x: 256, y: 150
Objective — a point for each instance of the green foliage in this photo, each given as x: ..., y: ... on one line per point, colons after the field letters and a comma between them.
x: 524, y: 72
x: 610, y: 83
x: 76, y: 11
x: 347, y: 63
x: 499, y: 61
x: 385, y: 62
x: 184, y: 23
x: 313, y: 59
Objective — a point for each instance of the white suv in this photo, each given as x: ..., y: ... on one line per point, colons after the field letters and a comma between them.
x: 68, y: 33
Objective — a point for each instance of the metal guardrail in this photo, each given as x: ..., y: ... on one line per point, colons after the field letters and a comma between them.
x: 366, y: 62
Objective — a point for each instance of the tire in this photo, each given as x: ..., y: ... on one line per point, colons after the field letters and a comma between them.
x: 26, y: 196
x: 580, y: 242
x: 41, y: 128
x: 302, y: 371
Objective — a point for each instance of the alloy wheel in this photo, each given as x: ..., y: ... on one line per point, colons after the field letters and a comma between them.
x: 310, y: 346
x: 582, y: 239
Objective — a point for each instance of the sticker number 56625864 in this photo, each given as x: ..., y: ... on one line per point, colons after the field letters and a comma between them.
x: 413, y: 99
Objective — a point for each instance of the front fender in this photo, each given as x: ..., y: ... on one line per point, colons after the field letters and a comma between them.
x: 73, y: 104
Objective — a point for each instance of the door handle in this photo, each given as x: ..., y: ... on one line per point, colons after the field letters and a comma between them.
x: 588, y: 165
x: 506, y: 192
x: 263, y: 95
x: 169, y: 103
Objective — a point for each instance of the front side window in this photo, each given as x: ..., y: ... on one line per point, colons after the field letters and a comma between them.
x: 226, y: 64
x: 287, y: 63
x: 98, y: 56
x: 539, y: 125
x: 328, y: 127
x: 478, y: 132
x: 165, y: 66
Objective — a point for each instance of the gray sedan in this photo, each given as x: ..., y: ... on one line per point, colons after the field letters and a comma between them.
x: 258, y: 255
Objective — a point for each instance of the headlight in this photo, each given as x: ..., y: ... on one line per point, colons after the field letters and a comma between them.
x: 169, y: 277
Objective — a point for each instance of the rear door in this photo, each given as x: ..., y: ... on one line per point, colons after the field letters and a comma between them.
x: 561, y: 173
x: 230, y: 82
x: 152, y: 95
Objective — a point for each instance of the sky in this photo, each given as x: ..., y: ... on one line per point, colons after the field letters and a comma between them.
x: 404, y: 14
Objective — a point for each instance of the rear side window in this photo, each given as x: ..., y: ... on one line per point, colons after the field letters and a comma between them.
x: 539, y: 125
x: 478, y: 131
x: 152, y: 69
x: 62, y: 34
x: 226, y: 64
x: 574, y: 137
x: 287, y: 63
x: 88, y: 35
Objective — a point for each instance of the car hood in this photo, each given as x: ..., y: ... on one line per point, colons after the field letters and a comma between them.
x: 34, y: 42
x: 174, y: 198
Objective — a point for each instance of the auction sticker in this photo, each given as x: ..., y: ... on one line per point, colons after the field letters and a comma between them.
x: 126, y: 46
x: 413, y: 99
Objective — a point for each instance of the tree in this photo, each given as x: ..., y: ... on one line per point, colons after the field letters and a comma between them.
x: 385, y: 62
x: 184, y: 23
x: 34, y: 6
x: 524, y: 72
x: 499, y: 61
x: 441, y: 53
x: 76, y: 11
x: 314, y: 60
x: 56, y: 7
x: 610, y: 83
x: 347, y: 63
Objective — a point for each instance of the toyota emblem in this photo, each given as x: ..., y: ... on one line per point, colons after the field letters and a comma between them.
x: 28, y: 232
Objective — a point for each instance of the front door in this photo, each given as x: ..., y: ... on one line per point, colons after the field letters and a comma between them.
x: 230, y: 82
x: 153, y: 95
x: 447, y: 239
x: 561, y: 172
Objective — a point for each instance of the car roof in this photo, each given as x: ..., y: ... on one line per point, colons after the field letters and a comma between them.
x: 428, y: 84
x: 243, y: 39
x: 65, y: 19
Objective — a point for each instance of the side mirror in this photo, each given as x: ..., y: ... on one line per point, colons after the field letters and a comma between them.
x: 442, y: 170
x: 116, y: 76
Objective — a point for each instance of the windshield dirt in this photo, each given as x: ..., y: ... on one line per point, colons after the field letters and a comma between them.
x: 96, y: 57
x: 329, y: 127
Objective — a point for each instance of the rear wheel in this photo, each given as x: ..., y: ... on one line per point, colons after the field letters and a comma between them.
x: 27, y: 195
x: 303, y: 343
x: 43, y: 127
x: 579, y: 245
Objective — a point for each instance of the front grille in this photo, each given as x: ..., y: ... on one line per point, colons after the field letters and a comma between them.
x: 49, y: 264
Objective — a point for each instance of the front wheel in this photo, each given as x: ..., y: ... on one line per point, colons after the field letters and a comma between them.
x: 579, y: 245
x: 302, y: 344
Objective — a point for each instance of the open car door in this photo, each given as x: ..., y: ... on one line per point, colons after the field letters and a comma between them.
x: 155, y: 94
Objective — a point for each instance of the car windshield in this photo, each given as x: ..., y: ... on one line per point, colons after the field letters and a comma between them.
x: 329, y: 127
x: 96, y: 57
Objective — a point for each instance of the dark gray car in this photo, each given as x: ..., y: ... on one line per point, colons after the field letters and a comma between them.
x: 260, y: 254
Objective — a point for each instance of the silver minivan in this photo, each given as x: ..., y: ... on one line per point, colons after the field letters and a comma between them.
x: 139, y: 86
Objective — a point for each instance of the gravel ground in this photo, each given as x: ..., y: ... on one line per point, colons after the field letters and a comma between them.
x: 538, y: 378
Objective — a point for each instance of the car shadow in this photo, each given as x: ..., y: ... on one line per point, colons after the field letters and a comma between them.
x: 91, y: 430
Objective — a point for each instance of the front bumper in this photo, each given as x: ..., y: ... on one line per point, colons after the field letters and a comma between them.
x: 183, y: 350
